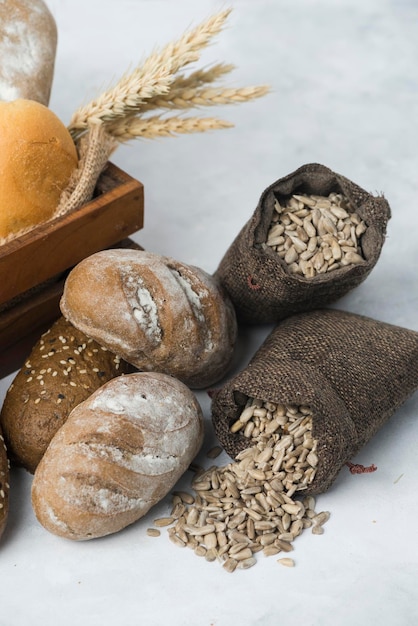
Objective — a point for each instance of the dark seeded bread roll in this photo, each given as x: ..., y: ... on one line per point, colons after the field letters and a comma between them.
x: 64, y: 368
x: 4, y: 485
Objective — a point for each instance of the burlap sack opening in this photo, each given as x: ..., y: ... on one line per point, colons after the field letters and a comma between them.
x: 352, y: 371
x: 257, y: 279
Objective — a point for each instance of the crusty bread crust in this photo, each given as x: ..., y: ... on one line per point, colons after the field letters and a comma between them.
x: 37, y: 159
x: 118, y: 454
x: 28, y: 42
x: 155, y: 312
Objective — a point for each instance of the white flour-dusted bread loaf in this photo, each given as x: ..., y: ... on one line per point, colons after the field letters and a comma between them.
x: 118, y: 454
x: 28, y: 42
x: 154, y: 312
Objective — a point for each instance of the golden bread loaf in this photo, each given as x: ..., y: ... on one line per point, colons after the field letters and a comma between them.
x: 63, y: 369
x: 118, y: 454
x: 28, y: 42
x: 37, y: 158
x: 154, y: 312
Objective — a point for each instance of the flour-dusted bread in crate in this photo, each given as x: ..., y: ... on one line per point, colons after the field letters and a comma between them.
x: 28, y: 42
x: 4, y: 485
x: 117, y: 455
x: 155, y: 312
x: 63, y: 369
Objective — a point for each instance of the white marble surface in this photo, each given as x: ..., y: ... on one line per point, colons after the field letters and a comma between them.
x: 344, y: 93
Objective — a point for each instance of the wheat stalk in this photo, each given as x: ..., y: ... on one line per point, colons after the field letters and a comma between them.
x: 153, y: 78
x: 188, y: 97
x: 153, y: 127
x: 200, y: 77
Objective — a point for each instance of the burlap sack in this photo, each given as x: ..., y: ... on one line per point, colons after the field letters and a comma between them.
x: 258, y: 280
x: 94, y: 150
x: 352, y: 371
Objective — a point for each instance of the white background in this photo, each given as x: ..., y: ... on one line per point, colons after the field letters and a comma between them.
x: 344, y: 78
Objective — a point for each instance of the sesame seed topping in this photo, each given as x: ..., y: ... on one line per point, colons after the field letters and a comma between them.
x: 28, y: 380
x: 37, y: 401
x: 54, y: 373
x: 73, y: 384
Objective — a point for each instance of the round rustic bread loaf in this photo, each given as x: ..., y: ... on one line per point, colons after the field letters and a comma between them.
x: 155, y: 312
x: 62, y: 370
x: 37, y: 158
x: 4, y: 485
x: 117, y: 455
x: 28, y: 42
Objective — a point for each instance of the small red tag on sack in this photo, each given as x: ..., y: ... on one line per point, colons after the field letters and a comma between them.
x: 357, y: 468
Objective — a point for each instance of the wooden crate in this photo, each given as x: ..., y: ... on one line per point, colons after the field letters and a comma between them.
x: 34, y: 267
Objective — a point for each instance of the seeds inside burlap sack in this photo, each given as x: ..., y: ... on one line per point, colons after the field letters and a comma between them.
x: 313, y: 237
x: 347, y: 374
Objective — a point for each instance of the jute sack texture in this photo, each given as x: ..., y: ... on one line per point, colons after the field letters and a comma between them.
x: 257, y: 279
x: 352, y: 371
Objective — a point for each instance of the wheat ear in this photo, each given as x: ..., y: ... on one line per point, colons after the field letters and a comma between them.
x: 154, y: 77
x: 153, y: 127
x: 187, y: 98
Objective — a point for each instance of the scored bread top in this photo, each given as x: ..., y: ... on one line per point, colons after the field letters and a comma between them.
x: 157, y: 313
x: 118, y: 454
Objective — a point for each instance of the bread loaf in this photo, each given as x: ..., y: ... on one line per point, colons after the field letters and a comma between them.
x: 62, y: 370
x: 37, y: 158
x: 155, y: 312
x: 4, y: 485
x: 28, y: 42
x: 117, y: 455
